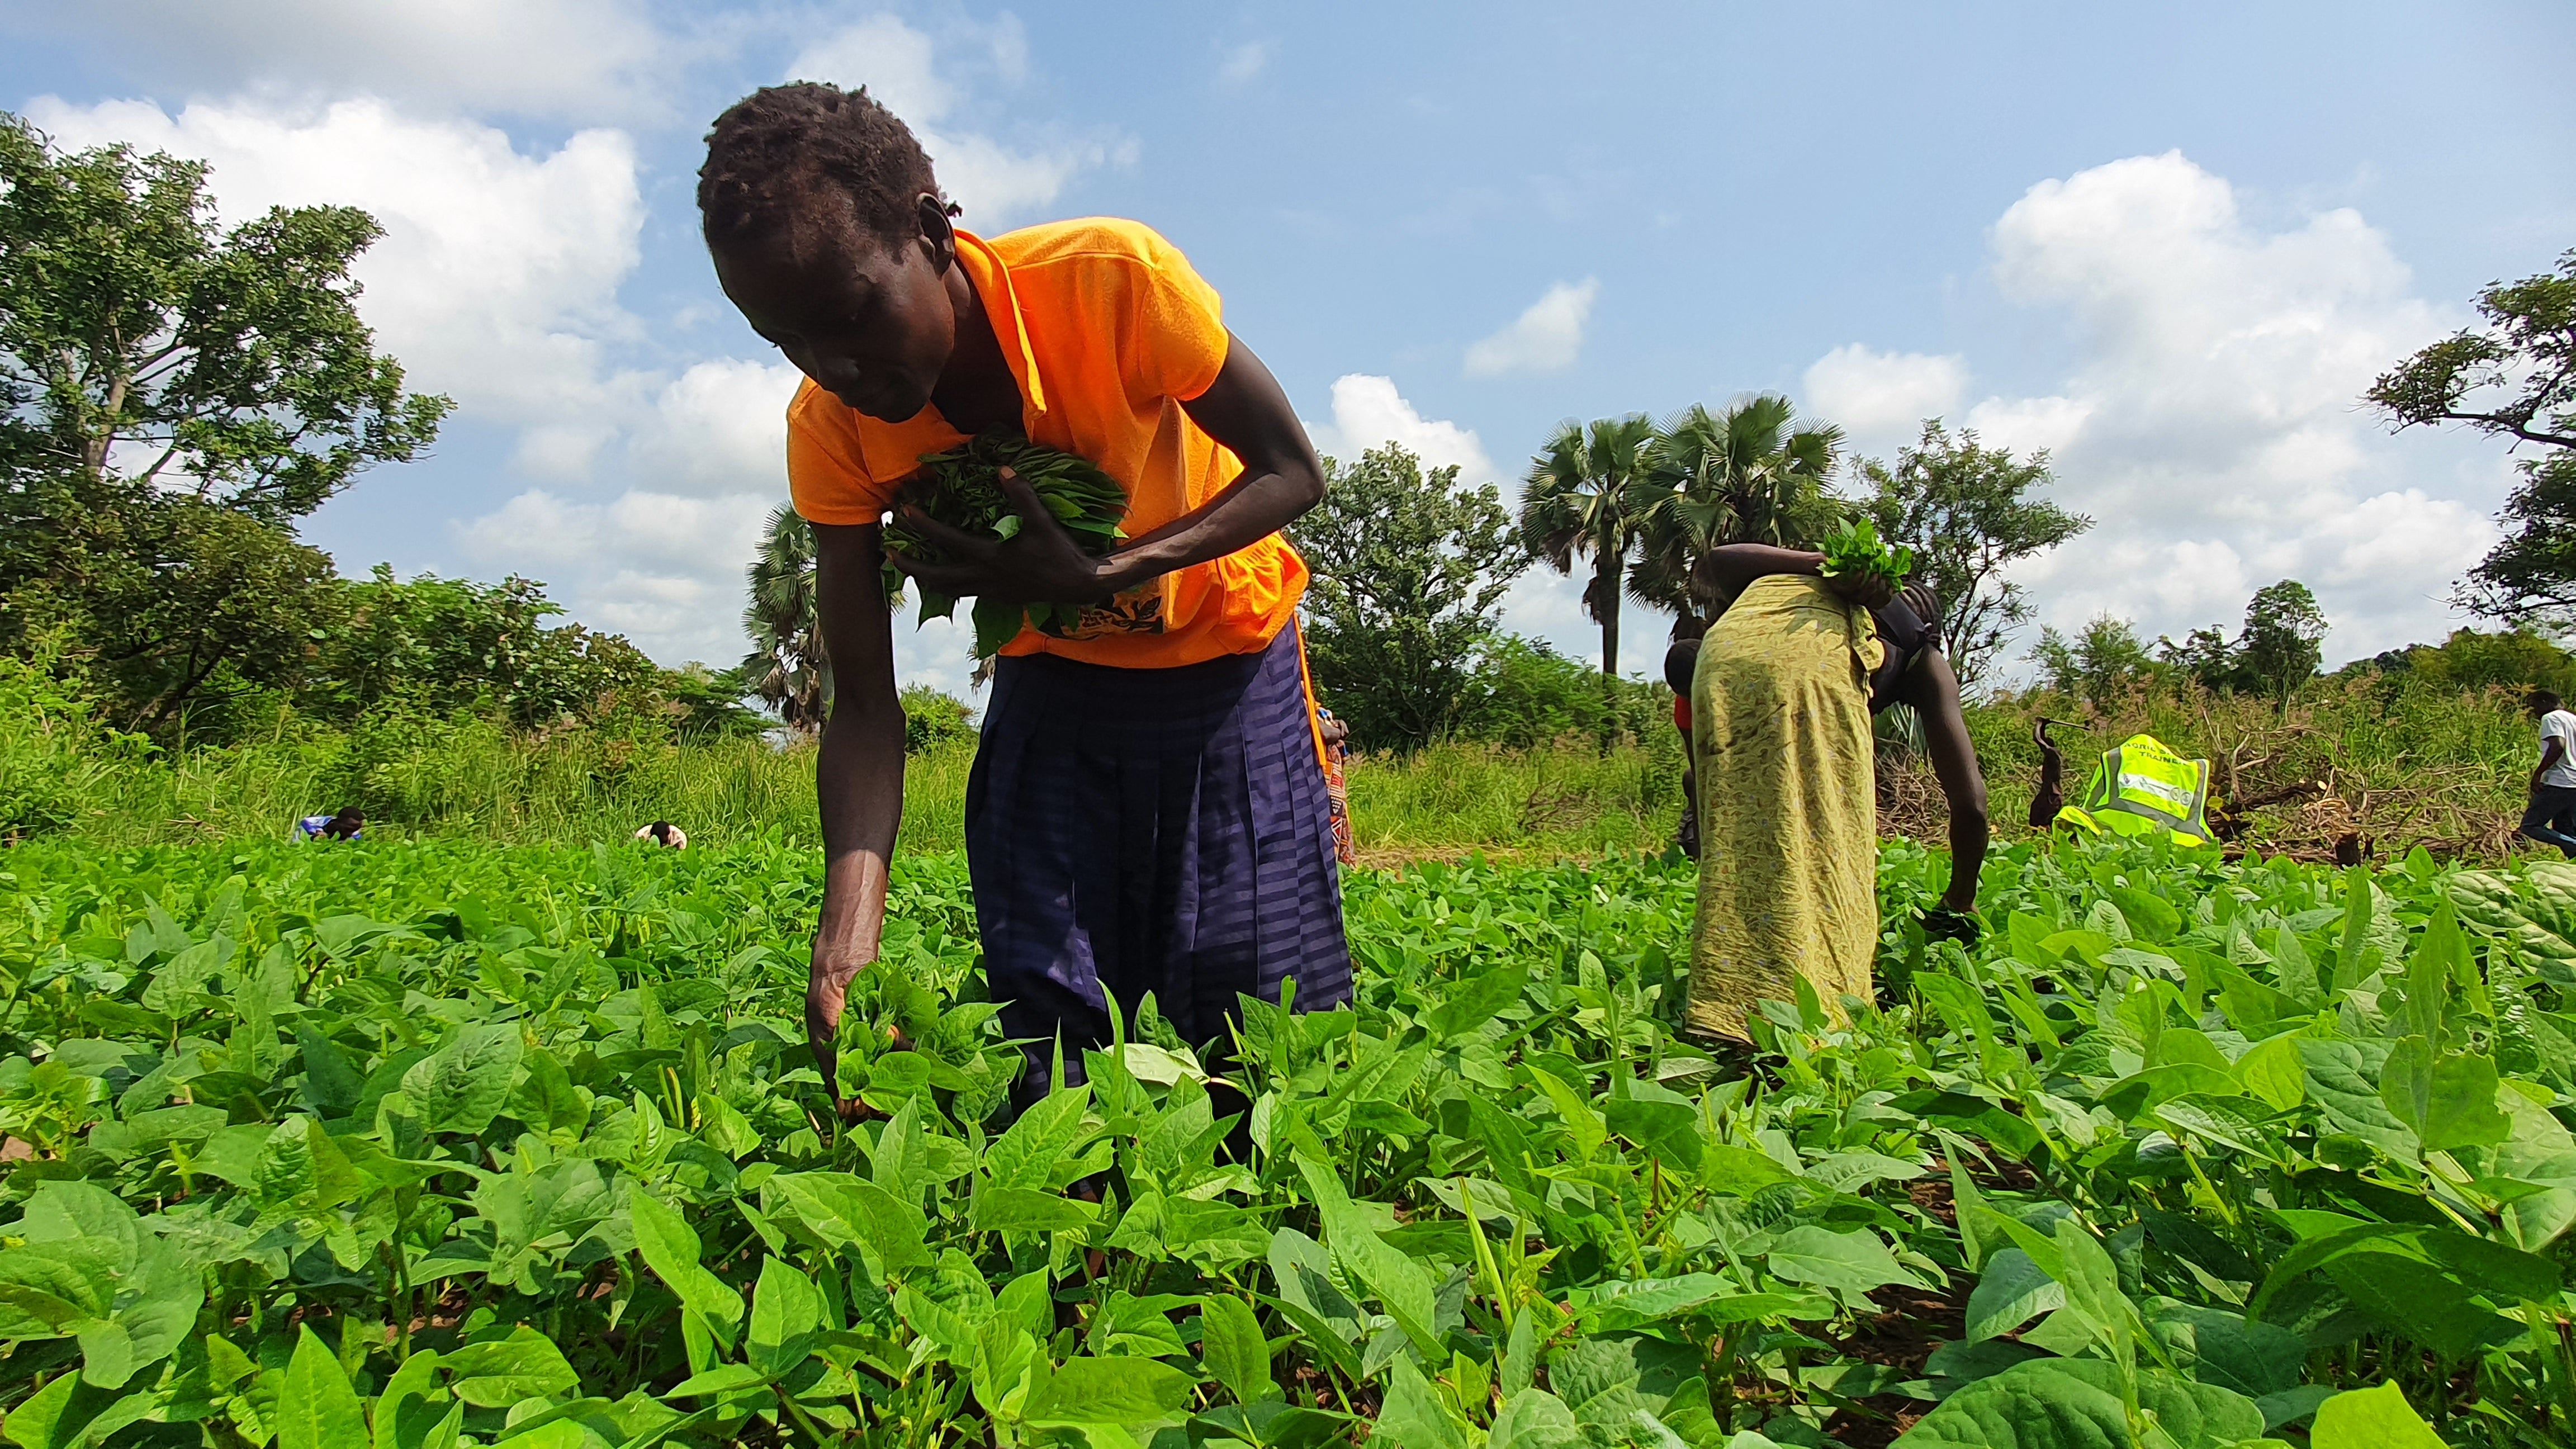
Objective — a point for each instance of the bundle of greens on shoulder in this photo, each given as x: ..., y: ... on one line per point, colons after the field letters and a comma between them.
x: 1857, y: 553
x: 962, y: 488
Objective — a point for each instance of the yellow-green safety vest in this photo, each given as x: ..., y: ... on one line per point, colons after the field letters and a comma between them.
x: 2144, y: 788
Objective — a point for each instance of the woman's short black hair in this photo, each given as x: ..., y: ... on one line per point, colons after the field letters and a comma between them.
x: 784, y: 149
x: 2543, y: 701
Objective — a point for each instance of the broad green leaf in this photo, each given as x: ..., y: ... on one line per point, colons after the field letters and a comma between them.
x: 502, y: 1372
x: 2448, y: 1100
x: 2343, y: 1080
x: 332, y: 1083
x: 845, y: 1211
x: 1477, y: 1000
x: 1108, y: 1391
x: 52, y: 1417
x: 1534, y: 1419
x: 48, y: 1288
x: 2135, y: 1096
x: 1855, y: 1261
x: 462, y: 1086
x: 316, y: 1409
x: 2441, y: 955
x: 2418, y: 1279
x: 2012, y: 1292
x: 670, y: 1249
x: 2272, y: 1072
x: 2377, y: 1418
x: 2219, y: 1347
x: 1302, y: 1268
x: 1027, y: 1303
x: 82, y: 1211
x: 1045, y: 1133
x: 1030, y: 1210
x: 722, y: 1379
x: 2075, y: 1403
x: 786, y: 1312
x: 1232, y: 1345
x: 1411, y: 1416
x: 1575, y: 1113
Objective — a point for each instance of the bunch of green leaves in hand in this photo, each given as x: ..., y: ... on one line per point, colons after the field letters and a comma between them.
x: 1857, y: 554
x: 962, y: 488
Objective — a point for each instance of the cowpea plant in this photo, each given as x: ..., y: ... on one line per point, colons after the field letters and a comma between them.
x: 962, y: 488
x: 411, y: 1146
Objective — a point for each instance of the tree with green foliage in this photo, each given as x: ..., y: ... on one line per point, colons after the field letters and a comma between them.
x: 1969, y: 513
x: 1584, y: 497
x: 2282, y: 640
x: 1524, y: 695
x: 439, y: 646
x: 2205, y: 656
x: 1409, y: 574
x: 173, y: 395
x: 143, y: 346
x: 1752, y: 473
x: 2102, y: 658
x: 934, y: 719
x: 786, y: 666
x: 2516, y: 659
x: 2514, y: 377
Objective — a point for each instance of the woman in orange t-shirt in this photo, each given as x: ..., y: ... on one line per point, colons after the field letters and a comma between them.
x: 1147, y: 811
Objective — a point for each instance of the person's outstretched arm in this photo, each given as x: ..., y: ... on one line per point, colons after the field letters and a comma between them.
x: 1933, y: 690
x: 1244, y: 410
x: 858, y: 777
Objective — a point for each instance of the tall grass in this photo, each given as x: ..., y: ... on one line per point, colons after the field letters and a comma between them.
x: 467, y: 777
x: 2393, y: 759
x: 2396, y: 760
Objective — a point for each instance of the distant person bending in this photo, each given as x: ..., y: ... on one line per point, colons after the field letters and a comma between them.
x: 2551, y: 816
x: 663, y: 832
x: 1337, y: 793
x: 346, y: 825
x: 1681, y: 660
x: 1787, y: 679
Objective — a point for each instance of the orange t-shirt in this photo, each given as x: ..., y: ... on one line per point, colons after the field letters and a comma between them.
x: 1108, y: 331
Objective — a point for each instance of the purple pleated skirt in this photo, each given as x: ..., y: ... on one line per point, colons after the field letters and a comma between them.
x: 1162, y: 830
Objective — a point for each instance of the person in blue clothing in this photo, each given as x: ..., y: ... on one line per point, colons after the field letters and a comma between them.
x: 347, y: 825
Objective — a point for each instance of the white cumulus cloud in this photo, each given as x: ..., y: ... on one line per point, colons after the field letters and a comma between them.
x: 496, y: 280
x: 582, y: 59
x: 1368, y: 413
x: 1546, y: 338
x: 2211, y: 420
x: 1878, y: 395
x: 900, y: 65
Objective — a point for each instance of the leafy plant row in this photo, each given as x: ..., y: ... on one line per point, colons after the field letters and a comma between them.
x: 428, y: 1145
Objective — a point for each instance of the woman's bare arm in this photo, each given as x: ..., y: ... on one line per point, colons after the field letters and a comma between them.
x: 858, y: 777
x: 1933, y: 691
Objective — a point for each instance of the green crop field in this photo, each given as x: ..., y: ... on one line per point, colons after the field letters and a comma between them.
x: 427, y: 1144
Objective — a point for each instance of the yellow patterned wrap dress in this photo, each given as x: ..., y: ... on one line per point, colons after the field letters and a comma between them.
x: 1788, y: 816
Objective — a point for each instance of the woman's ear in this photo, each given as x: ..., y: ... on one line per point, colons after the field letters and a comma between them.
x: 936, y: 232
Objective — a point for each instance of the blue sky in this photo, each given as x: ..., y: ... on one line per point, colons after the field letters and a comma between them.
x: 2170, y: 243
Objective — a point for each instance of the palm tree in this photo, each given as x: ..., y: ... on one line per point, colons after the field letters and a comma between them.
x: 1581, y: 498
x: 1753, y: 473
x: 786, y: 667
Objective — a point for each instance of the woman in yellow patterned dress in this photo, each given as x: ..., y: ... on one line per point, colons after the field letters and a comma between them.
x: 1781, y: 700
